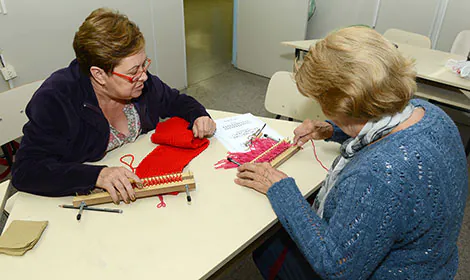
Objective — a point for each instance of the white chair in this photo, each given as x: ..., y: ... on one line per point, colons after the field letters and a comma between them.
x: 284, y: 99
x: 12, y: 119
x: 461, y: 43
x: 409, y: 38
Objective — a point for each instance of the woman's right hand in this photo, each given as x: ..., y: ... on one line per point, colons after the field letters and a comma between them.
x: 118, y: 180
x: 312, y: 130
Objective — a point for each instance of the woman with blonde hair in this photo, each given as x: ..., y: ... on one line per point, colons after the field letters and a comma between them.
x: 392, y: 204
x: 105, y: 98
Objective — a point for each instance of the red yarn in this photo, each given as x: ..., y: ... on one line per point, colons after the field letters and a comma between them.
x: 128, y: 163
x: 177, y: 147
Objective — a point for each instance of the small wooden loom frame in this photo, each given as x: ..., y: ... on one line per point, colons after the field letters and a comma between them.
x: 152, y: 186
x: 282, y: 157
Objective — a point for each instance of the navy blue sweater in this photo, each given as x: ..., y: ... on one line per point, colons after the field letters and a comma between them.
x: 395, y: 211
x: 66, y: 128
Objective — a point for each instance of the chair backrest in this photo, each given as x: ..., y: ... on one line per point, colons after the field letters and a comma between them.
x: 283, y: 98
x: 461, y: 43
x: 12, y: 111
x: 405, y: 37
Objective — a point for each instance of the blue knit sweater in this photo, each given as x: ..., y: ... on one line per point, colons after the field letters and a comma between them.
x: 395, y: 211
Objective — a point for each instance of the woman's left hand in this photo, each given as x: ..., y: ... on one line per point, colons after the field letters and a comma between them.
x: 258, y: 176
x: 203, y: 126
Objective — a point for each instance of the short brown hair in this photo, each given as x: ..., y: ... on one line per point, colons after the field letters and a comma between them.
x: 104, y: 38
x: 355, y: 72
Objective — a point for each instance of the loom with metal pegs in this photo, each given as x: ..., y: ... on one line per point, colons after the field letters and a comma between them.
x: 152, y: 186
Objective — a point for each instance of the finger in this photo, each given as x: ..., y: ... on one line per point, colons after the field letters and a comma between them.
x: 195, y: 129
x: 252, y: 184
x: 247, y: 167
x: 200, y: 131
x: 299, y: 135
x: 208, y: 127
x: 122, y: 190
x: 247, y: 175
x: 124, y: 180
x: 112, y: 192
x: 301, y: 141
x: 214, y: 126
x: 134, y: 179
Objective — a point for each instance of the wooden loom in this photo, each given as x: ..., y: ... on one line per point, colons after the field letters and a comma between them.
x: 152, y: 186
x: 280, y: 158
x: 276, y: 153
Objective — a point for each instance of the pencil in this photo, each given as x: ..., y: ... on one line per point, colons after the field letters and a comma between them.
x: 92, y: 208
x: 233, y: 161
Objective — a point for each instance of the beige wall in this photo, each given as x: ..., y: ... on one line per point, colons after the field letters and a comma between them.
x: 36, y: 36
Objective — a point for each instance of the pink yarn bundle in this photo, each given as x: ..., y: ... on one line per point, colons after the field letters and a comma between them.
x: 258, y: 147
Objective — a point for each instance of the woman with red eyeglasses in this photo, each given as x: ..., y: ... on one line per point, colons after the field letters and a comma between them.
x: 102, y: 100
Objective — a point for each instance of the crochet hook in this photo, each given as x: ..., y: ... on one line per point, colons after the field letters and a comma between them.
x: 79, y: 215
x: 188, y: 196
x: 233, y: 161
x: 267, y: 136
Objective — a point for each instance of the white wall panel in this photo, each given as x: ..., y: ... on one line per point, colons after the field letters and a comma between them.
x: 457, y: 18
x: 261, y: 26
x: 334, y: 14
x: 36, y: 36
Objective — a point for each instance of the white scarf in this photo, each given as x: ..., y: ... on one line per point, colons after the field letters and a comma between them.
x: 372, y: 131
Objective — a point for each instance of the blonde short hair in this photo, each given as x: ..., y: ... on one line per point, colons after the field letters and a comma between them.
x: 355, y: 72
x: 105, y: 38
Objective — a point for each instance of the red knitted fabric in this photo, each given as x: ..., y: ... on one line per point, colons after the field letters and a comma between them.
x: 177, y: 147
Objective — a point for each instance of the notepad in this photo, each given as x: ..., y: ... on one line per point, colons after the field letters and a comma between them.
x: 21, y: 236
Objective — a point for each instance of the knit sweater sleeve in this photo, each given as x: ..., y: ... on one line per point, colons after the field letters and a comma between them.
x: 357, y: 237
x: 338, y: 135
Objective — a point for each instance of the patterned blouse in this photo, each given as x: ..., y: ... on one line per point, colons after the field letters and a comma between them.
x: 116, y: 138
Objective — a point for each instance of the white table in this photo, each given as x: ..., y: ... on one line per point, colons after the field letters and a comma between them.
x: 430, y: 66
x: 180, y: 241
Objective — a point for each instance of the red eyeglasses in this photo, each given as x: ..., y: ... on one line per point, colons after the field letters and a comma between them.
x: 136, y: 77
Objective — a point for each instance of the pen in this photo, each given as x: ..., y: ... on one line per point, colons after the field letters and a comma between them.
x: 233, y: 161
x: 188, y: 196
x: 92, y: 208
x: 79, y: 215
